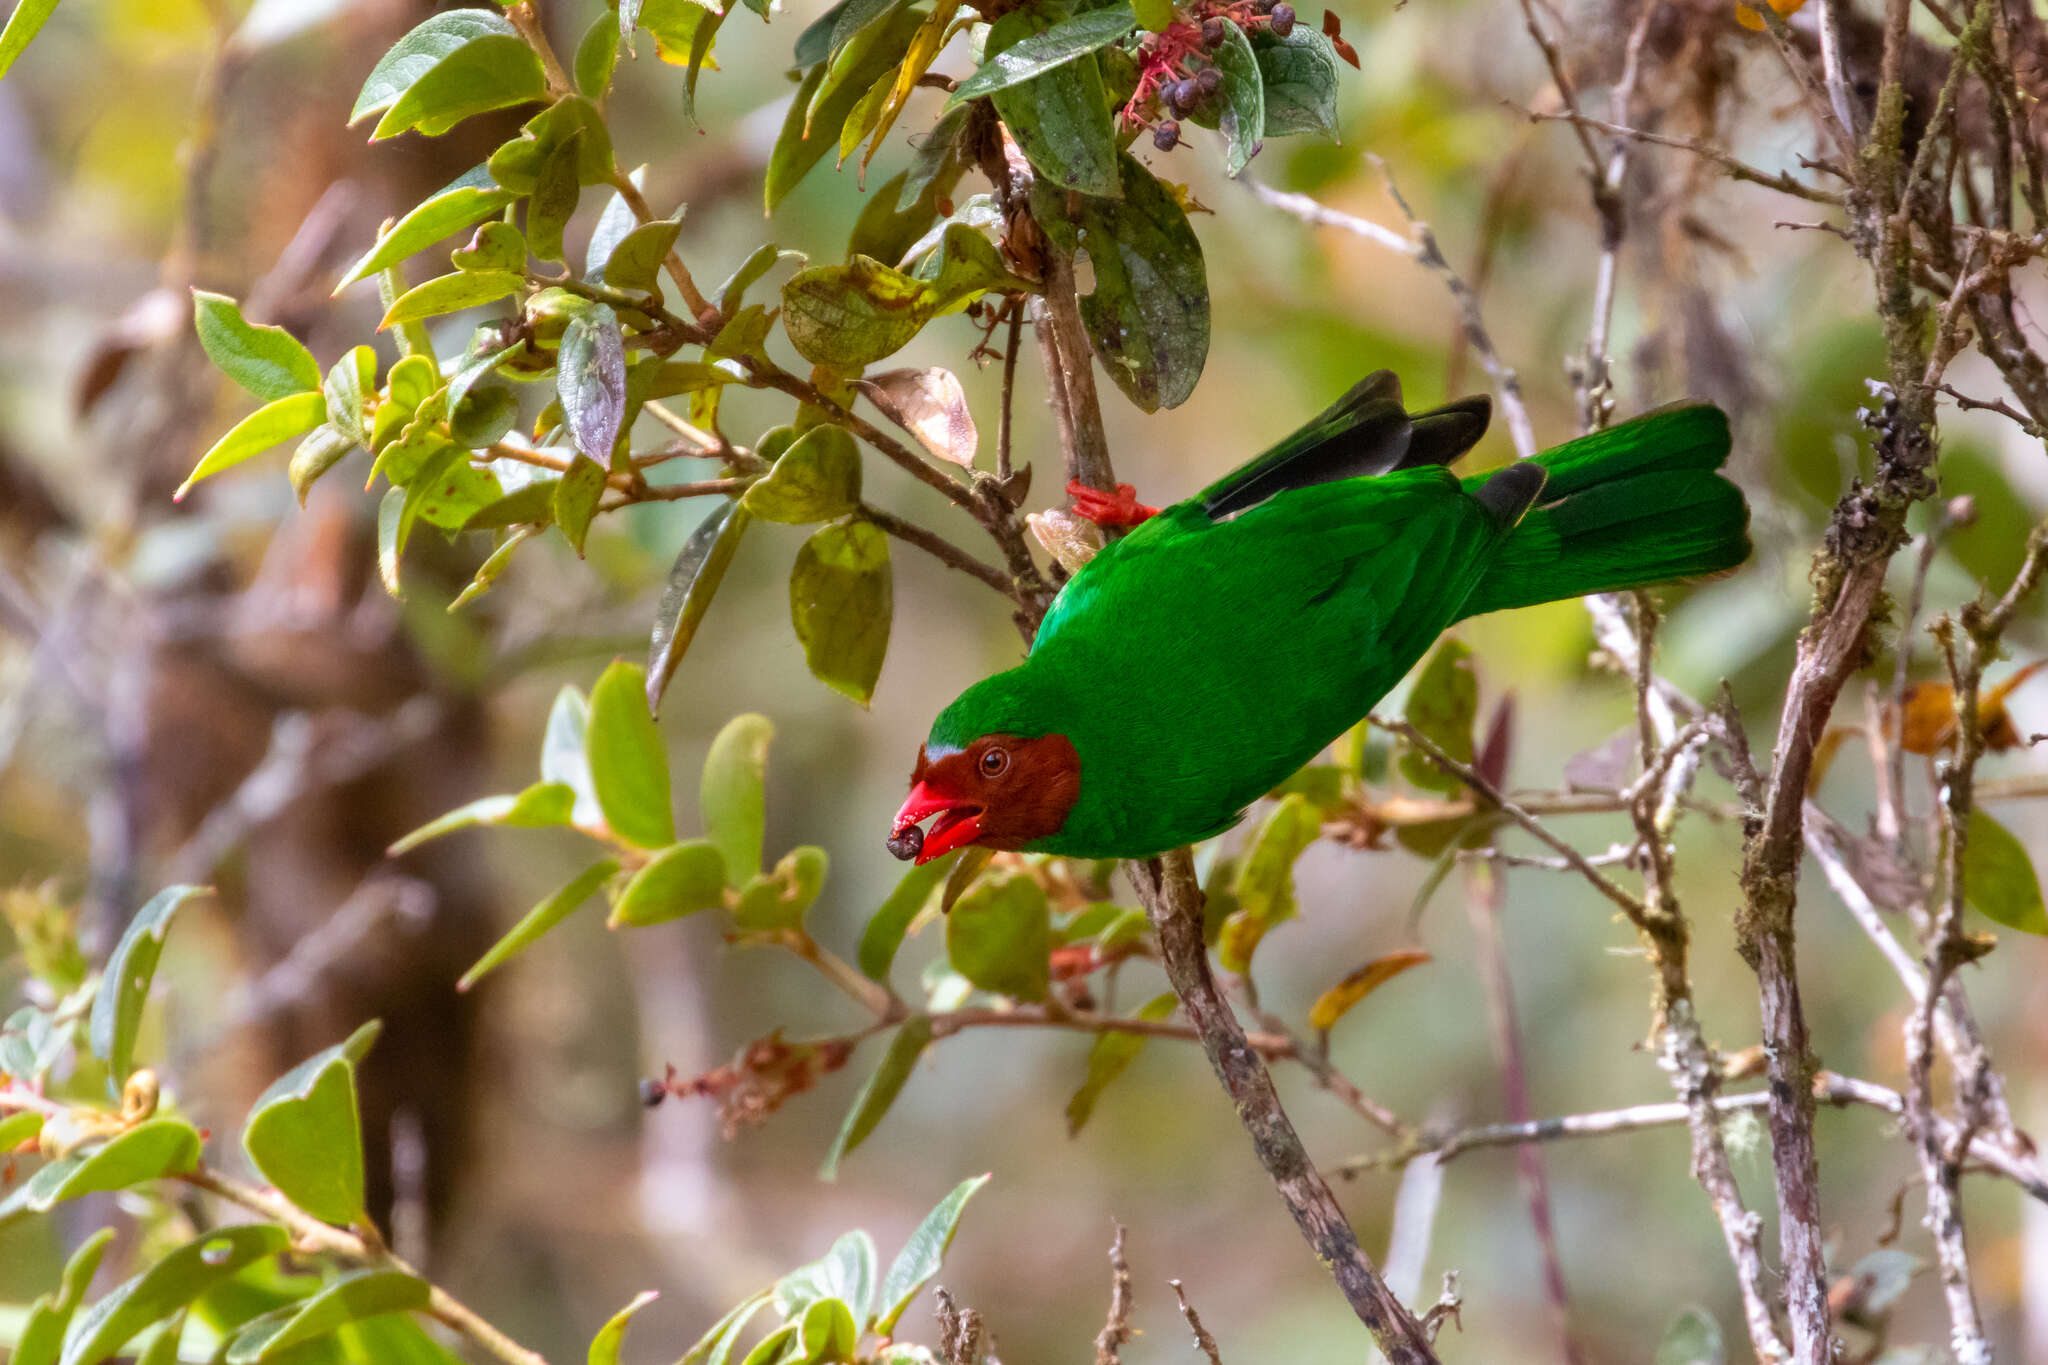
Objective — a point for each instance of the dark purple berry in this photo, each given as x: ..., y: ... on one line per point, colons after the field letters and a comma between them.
x: 1212, y: 33
x: 1207, y: 82
x: 1183, y: 95
x: 1283, y: 20
x: 652, y: 1092
x: 1166, y: 136
x: 908, y: 844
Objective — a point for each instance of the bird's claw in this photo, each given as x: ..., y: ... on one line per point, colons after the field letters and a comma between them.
x: 1120, y: 508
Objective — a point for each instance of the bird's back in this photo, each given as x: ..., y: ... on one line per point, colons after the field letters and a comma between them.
x: 1206, y: 660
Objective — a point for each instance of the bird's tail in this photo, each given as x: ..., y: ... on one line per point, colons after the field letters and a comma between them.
x: 1632, y: 506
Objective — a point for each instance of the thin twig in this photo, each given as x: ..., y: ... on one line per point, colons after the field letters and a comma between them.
x: 1117, y: 1330
x: 1465, y: 773
x: 314, y: 1235
x: 1204, y: 1343
x: 1736, y: 168
x: 1423, y: 249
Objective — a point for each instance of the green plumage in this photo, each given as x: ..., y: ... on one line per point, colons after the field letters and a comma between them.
x: 1202, y: 658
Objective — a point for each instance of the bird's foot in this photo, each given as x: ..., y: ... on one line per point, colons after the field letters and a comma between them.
x: 1120, y: 508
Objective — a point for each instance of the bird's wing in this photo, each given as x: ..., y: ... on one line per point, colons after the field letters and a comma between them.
x: 1366, y: 432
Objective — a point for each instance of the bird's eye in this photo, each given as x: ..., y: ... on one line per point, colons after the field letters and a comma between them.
x: 994, y: 762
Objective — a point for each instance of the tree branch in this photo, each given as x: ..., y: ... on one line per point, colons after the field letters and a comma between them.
x: 1173, y: 900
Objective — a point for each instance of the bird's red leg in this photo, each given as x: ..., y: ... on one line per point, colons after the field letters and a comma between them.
x: 1120, y: 508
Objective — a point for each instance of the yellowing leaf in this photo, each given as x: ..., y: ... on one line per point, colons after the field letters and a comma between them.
x: 1333, y: 1003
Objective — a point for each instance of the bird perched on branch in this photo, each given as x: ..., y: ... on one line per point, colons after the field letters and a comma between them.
x: 1195, y: 663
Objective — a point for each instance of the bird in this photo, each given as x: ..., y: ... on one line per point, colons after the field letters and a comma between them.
x: 1197, y: 661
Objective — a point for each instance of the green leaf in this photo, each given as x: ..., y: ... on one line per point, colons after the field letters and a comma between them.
x: 1148, y: 318
x: 1693, y: 1338
x: 1442, y: 706
x: 42, y: 1334
x: 679, y: 880
x: 163, y: 1347
x: 733, y: 793
x: 124, y: 990
x: 1265, y: 881
x: 562, y: 757
x: 539, y: 806
x: 270, y: 425
x: 1998, y: 876
x: 553, y: 203
x: 715, y: 1346
x: 1108, y: 1057
x: 484, y: 417
x: 840, y: 599
x: 965, y: 266
x: 530, y: 505
x: 451, y: 294
x: 17, y: 1128
x: 539, y: 920
x: 487, y: 573
x: 604, y: 1347
x: 855, y: 15
x: 305, y: 1136
x: 879, y: 1092
x: 1047, y: 51
x: 576, y: 499
x: 635, y: 263
x: 845, y: 1274
x: 570, y: 120
x: 828, y: 1332
x: 172, y: 1283
x: 390, y: 549
x: 391, y: 1340
x: 777, y: 900
x: 1059, y: 116
x: 922, y: 1255
x: 764, y: 258
x: 997, y: 935
x: 828, y: 94
x: 884, y: 934
x: 692, y: 582
x: 814, y: 44
x: 591, y: 379
x: 1243, y: 120
x: 419, y: 51
x: 816, y: 479
x: 496, y: 245
x: 321, y: 450
x: 350, y: 1297
x: 268, y: 361
x: 849, y: 316
x: 628, y: 765
x: 775, y: 1347
x: 469, y: 200
x: 597, y: 54
x: 347, y: 386
x: 1300, y: 76
x: 152, y: 1149
x: 492, y: 71
x: 22, y: 26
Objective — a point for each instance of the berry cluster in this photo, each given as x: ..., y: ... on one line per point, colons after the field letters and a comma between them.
x: 1176, y: 74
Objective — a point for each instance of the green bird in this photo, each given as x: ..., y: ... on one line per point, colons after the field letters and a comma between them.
x: 1196, y: 662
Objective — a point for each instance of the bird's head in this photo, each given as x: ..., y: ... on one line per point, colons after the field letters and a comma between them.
x: 1000, y: 788
x: 1000, y: 791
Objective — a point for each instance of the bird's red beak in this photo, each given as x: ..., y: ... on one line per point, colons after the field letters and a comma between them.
x: 958, y: 822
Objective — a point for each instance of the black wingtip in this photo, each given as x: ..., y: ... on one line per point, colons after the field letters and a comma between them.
x: 1512, y: 492
x: 1442, y: 434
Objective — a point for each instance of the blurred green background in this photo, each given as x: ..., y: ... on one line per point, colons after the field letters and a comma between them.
x: 151, y: 651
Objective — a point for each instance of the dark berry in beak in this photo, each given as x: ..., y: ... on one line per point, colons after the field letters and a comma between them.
x: 908, y: 844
